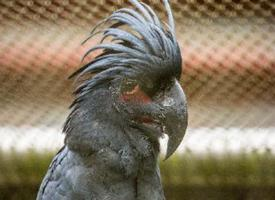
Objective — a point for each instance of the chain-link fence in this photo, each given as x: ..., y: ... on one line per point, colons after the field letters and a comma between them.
x: 229, y: 69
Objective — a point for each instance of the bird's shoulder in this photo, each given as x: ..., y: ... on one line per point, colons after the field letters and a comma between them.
x: 53, y: 175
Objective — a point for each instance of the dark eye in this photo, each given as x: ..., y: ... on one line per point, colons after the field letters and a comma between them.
x: 128, y: 85
x: 157, y: 88
x: 149, y: 88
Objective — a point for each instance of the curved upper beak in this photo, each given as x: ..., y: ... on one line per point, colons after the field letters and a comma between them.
x: 176, y: 118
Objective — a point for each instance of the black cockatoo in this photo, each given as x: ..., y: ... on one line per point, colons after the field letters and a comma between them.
x: 128, y: 97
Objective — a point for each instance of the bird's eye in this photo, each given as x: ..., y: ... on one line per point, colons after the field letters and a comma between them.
x: 157, y: 89
x: 127, y: 86
x: 134, y: 93
x: 145, y: 91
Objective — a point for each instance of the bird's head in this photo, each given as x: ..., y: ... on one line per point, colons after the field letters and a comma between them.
x: 142, y: 65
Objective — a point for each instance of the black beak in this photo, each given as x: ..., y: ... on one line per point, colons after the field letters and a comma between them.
x: 176, y: 118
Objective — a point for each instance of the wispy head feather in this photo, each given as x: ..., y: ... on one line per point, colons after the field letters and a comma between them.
x: 140, y: 45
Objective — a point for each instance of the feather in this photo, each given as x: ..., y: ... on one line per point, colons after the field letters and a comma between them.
x: 140, y: 44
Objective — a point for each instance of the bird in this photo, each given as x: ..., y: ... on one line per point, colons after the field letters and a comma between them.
x: 126, y: 98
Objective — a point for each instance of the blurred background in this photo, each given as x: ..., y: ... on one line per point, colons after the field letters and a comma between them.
x: 228, y: 48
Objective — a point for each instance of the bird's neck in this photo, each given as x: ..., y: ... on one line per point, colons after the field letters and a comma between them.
x: 96, y: 122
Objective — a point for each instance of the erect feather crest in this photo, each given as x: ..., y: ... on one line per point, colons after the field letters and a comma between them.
x: 140, y: 44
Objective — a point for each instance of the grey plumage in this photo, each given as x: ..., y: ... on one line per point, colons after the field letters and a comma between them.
x: 129, y: 100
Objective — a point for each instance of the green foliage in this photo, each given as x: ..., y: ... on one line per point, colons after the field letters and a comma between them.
x: 253, y: 169
x: 207, y: 176
x: 27, y: 167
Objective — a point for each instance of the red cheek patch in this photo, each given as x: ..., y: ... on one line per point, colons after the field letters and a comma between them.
x: 136, y: 95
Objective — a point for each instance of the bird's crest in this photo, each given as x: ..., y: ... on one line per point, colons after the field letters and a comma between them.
x: 140, y: 45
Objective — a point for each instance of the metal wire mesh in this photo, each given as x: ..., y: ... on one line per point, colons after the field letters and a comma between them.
x: 229, y: 64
